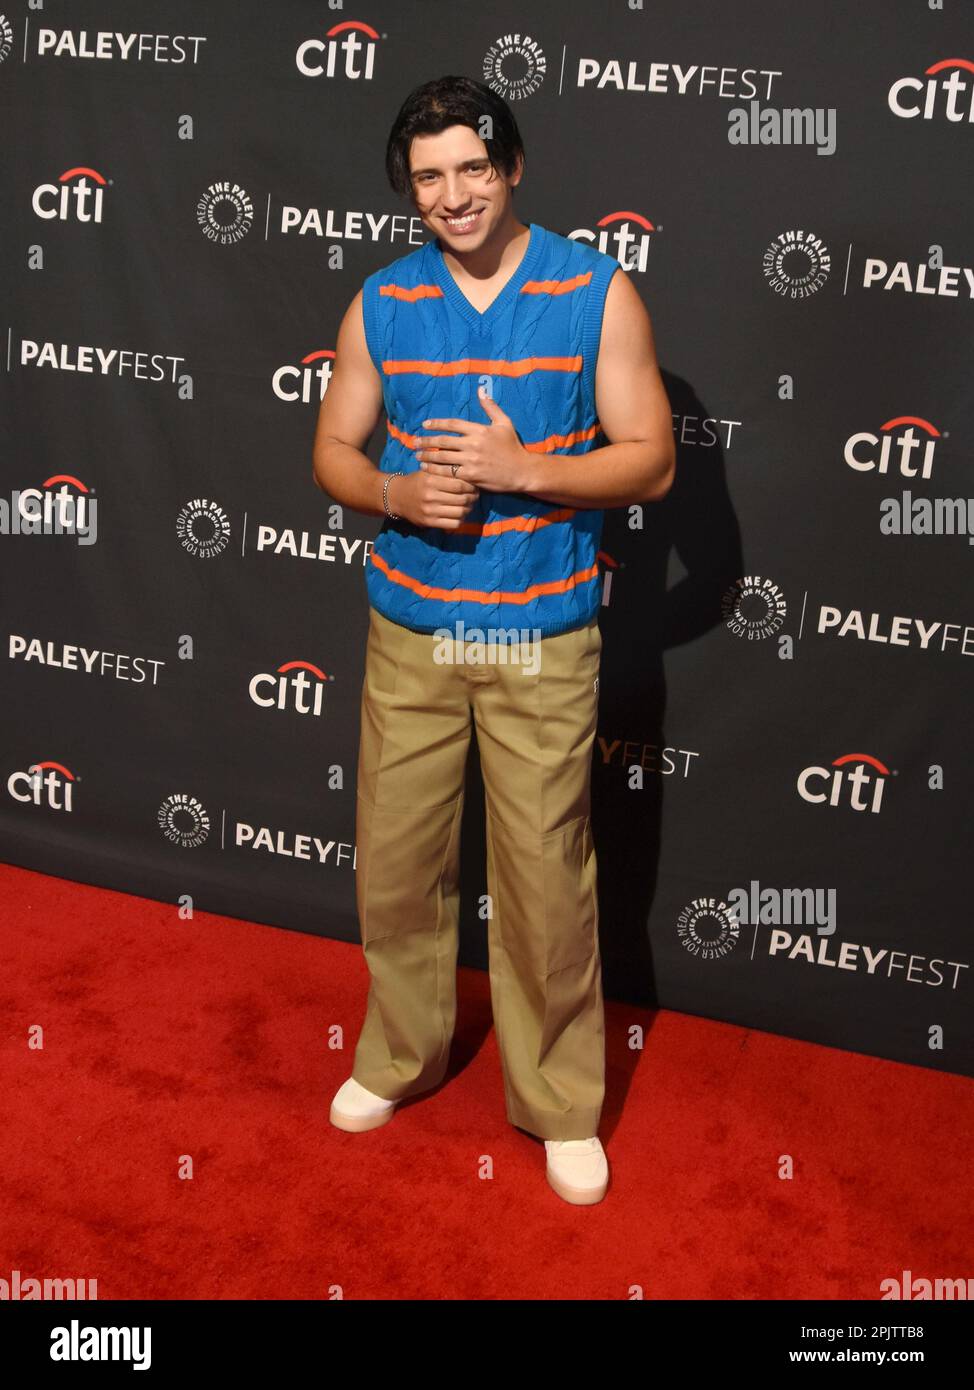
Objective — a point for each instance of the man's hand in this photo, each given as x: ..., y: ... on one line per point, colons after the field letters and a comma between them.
x: 427, y: 500
x: 490, y: 456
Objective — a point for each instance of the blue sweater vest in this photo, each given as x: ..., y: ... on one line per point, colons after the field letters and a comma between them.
x: 515, y: 562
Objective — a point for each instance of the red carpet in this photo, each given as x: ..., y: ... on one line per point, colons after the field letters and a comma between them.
x: 165, y: 1038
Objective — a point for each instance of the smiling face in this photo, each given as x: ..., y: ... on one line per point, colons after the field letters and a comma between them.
x: 456, y: 191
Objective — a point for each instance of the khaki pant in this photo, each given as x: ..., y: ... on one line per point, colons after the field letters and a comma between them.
x: 535, y: 733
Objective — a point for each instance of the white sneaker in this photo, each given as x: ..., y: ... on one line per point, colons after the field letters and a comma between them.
x: 356, y: 1109
x: 577, y: 1169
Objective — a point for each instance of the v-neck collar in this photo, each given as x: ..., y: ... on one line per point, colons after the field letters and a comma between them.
x: 460, y: 301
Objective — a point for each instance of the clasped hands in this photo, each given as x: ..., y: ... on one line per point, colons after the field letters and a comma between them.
x: 488, y: 456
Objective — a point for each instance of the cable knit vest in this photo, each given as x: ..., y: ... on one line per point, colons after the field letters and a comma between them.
x: 516, y: 562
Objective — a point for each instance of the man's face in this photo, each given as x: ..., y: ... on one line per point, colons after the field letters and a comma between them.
x: 453, y: 178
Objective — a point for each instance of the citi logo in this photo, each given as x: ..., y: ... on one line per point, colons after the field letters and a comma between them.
x: 297, y: 685
x: 320, y: 57
x: 78, y: 196
x: 62, y: 505
x: 47, y: 784
x: 306, y: 381
x: 608, y: 566
x: 624, y: 235
x: 850, y: 775
x: 867, y: 451
x: 946, y: 92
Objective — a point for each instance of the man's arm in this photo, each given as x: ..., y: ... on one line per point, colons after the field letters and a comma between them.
x: 633, y: 411
x: 349, y: 412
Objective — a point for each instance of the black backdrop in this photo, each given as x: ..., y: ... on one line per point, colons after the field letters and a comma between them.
x: 193, y: 193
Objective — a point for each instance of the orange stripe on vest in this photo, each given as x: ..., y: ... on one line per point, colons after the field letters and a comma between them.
x: 556, y: 286
x: 553, y: 586
x: 411, y: 295
x: 492, y: 366
x: 540, y: 446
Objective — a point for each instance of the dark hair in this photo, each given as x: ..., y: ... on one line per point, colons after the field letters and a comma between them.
x: 447, y: 101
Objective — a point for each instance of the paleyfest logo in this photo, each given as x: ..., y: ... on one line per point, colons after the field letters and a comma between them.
x: 203, y: 528
x: 515, y: 66
x: 225, y: 212
x: 708, y: 928
x: 754, y: 607
x: 184, y: 820
x: 797, y: 264
x: 6, y: 37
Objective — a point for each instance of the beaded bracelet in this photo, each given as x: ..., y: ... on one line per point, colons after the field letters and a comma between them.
x: 385, y: 496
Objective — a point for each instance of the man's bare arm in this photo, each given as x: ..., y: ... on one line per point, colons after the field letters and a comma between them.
x: 633, y: 411
x: 349, y: 412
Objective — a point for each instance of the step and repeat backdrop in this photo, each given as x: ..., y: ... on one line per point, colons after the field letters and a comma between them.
x: 193, y: 193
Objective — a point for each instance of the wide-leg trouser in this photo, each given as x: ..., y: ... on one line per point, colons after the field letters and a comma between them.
x: 535, y: 729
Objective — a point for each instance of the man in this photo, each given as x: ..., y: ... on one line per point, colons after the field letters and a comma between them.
x: 500, y: 352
